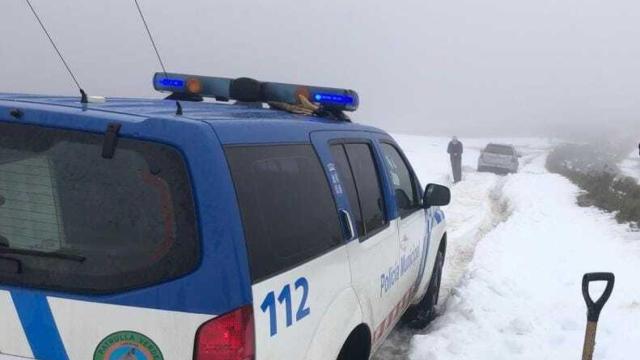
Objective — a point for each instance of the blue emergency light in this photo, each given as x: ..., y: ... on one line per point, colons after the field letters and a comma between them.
x: 194, y: 87
x: 172, y: 83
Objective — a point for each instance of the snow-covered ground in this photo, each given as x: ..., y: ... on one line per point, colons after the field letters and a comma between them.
x: 630, y: 166
x: 518, y: 246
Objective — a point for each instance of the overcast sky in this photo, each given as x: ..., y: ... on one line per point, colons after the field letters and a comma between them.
x: 512, y: 67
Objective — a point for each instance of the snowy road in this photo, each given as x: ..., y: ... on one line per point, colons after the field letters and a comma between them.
x: 518, y: 246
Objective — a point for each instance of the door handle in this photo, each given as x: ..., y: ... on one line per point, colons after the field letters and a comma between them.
x: 346, y: 218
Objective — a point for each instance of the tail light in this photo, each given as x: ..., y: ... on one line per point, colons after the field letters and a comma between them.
x: 227, y: 337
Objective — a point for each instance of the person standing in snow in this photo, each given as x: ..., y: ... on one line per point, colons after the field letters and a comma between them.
x: 455, y: 153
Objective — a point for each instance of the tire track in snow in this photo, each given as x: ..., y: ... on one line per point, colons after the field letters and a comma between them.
x: 484, y: 211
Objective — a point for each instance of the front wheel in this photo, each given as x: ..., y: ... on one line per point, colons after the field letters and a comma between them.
x: 420, y: 315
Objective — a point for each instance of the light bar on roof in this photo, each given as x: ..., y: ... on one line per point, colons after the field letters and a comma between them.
x: 249, y: 90
x: 192, y: 84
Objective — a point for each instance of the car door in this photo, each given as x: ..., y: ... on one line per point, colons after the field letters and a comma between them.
x: 412, y: 223
x: 373, y: 255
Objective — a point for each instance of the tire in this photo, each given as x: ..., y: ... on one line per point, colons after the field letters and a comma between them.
x: 357, y: 346
x: 421, y: 314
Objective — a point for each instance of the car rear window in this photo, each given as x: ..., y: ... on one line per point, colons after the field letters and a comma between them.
x: 288, y: 211
x: 499, y: 149
x: 71, y: 220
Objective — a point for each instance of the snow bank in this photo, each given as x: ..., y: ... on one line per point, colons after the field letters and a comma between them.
x: 520, y: 297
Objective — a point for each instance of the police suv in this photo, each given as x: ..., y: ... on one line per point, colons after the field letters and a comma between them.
x: 176, y: 229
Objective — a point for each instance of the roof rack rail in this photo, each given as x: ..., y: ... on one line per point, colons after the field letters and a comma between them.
x: 326, y: 102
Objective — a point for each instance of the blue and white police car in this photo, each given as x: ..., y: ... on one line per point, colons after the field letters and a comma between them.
x: 176, y: 229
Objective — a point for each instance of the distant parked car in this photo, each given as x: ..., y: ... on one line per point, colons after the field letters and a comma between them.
x: 499, y: 159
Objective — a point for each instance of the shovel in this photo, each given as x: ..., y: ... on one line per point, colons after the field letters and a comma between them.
x: 594, y: 308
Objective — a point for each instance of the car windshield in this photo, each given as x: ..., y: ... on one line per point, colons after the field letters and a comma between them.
x: 76, y: 221
x: 499, y: 149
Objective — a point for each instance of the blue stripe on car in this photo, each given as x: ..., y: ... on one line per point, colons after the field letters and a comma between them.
x: 39, y: 326
x: 437, y: 216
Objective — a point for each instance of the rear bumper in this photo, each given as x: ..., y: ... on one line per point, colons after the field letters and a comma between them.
x: 497, y: 169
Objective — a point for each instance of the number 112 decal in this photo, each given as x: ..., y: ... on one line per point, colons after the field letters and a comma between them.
x: 269, y: 304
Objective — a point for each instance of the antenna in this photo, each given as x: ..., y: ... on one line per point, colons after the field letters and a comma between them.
x: 84, y: 99
x: 155, y: 48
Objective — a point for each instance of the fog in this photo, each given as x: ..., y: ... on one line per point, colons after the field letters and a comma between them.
x: 493, y: 67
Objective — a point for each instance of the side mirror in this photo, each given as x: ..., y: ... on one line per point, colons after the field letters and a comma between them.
x: 3, y: 241
x: 436, y: 195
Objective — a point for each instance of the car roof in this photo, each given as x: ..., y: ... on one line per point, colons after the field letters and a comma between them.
x: 500, y: 145
x: 233, y: 123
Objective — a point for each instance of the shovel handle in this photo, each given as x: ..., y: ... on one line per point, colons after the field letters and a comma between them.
x: 589, y: 341
x: 594, y: 307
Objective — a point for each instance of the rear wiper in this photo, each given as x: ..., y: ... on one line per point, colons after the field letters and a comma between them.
x: 4, y: 249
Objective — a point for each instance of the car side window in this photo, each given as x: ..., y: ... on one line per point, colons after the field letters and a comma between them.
x: 349, y: 184
x: 404, y: 184
x: 367, y: 182
x: 287, y: 208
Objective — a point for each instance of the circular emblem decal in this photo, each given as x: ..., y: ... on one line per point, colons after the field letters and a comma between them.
x: 127, y: 345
